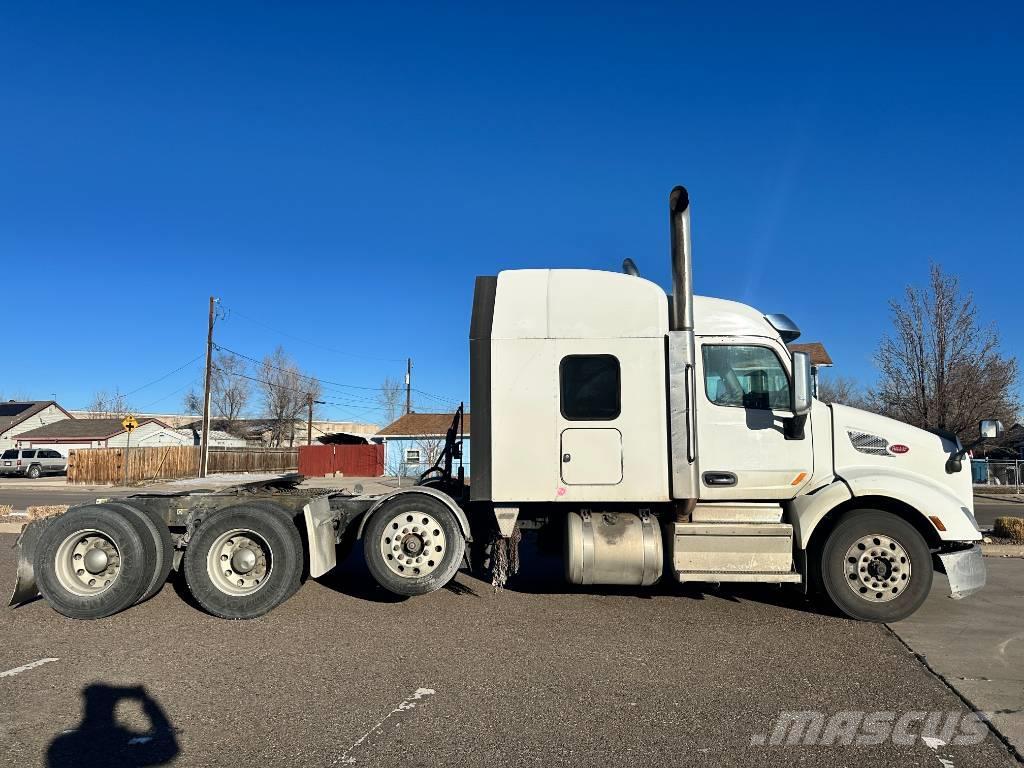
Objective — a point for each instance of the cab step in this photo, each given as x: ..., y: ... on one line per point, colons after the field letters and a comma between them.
x: 760, y: 552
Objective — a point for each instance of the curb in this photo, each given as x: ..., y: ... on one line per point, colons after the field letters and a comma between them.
x: 1002, y: 550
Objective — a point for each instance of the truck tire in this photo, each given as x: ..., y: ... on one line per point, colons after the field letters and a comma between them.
x: 413, y: 545
x: 91, y: 562
x: 876, y: 566
x: 34, y: 472
x: 243, y: 561
x: 163, y: 549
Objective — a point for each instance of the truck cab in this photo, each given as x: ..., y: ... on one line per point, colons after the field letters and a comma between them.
x: 680, y: 433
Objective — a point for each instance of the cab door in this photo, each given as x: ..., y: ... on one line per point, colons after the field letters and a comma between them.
x: 747, y: 448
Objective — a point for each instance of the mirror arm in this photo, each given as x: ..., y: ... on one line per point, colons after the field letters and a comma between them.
x: 955, y: 462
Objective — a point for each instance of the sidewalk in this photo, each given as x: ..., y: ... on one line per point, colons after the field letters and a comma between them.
x: 977, y: 644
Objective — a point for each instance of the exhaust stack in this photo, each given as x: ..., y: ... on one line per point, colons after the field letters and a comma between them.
x: 682, y: 260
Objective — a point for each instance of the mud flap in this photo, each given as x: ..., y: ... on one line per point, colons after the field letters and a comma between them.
x: 320, y: 532
x: 965, y: 570
x: 25, y: 586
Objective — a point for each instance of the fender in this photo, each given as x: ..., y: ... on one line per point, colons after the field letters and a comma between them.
x: 920, y: 493
x: 805, y: 512
x: 441, y: 496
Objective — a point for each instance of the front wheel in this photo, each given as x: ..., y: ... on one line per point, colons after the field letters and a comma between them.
x: 876, y: 566
x: 413, y: 545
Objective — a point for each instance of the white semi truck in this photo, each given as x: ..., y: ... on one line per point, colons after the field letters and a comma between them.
x: 658, y: 436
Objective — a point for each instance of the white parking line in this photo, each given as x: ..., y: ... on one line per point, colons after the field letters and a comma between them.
x: 26, y: 667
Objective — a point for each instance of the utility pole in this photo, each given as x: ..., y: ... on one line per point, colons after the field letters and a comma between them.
x: 408, y: 385
x: 204, y: 450
x: 309, y: 423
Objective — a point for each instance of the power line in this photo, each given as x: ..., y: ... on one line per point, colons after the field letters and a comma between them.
x: 294, y: 389
x: 165, y: 376
x: 321, y: 381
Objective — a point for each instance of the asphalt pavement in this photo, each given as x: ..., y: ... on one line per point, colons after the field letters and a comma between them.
x: 539, y: 674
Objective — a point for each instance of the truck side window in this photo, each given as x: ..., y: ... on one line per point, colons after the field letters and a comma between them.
x: 745, y: 377
x: 590, y: 387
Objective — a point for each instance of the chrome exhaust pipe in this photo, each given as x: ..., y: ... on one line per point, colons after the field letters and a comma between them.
x: 682, y: 260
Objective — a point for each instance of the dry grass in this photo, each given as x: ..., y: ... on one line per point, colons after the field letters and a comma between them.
x: 1011, y: 528
x: 5, y: 509
x: 34, y: 513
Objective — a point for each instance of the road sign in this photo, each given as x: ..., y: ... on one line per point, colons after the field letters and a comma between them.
x: 130, y: 423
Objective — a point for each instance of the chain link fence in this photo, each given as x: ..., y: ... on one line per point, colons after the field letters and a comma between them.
x: 998, y: 473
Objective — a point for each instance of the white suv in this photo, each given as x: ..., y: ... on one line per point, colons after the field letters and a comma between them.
x: 32, y: 462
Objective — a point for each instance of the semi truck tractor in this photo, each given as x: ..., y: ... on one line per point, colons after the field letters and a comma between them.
x: 654, y: 436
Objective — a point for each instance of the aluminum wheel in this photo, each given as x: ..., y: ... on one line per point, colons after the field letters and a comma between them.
x: 87, y: 563
x: 239, y: 562
x: 413, y: 544
x: 878, y: 568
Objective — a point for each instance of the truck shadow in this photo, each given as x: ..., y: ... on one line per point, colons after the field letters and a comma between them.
x: 100, y: 740
x: 542, y: 572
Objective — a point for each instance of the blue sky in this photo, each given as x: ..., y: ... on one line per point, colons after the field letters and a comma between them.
x: 337, y: 174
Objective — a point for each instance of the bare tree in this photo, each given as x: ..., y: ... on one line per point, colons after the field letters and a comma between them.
x: 109, y: 406
x: 844, y: 390
x: 430, y: 449
x: 940, y: 368
x: 230, y: 391
x: 390, y: 399
x: 286, y: 394
x: 193, y: 403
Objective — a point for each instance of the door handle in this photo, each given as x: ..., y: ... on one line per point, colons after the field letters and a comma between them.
x: 566, y: 458
x: 719, y: 479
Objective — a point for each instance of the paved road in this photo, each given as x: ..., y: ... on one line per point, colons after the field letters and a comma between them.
x: 986, y: 510
x: 540, y: 674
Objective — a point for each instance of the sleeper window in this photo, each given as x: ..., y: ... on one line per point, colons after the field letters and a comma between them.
x: 590, y: 387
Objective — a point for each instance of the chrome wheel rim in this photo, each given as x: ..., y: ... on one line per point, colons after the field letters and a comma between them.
x: 413, y: 544
x: 878, y: 568
x: 87, y: 563
x: 239, y: 562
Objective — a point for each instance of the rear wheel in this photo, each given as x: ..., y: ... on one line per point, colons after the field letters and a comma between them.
x: 91, y: 563
x: 34, y: 471
x: 413, y: 545
x: 162, y: 548
x: 876, y: 566
x: 243, y: 561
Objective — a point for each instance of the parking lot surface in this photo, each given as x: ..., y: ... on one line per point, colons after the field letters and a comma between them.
x: 539, y: 674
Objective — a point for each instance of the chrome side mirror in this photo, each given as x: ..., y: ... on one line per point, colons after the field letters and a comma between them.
x: 802, y: 384
x: 990, y: 429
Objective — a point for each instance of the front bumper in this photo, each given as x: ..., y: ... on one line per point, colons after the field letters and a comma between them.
x: 965, y: 569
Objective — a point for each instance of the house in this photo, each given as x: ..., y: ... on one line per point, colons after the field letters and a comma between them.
x: 414, y: 442
x: 820, y: 358
x: 17, y: 417
x: 73, y: 434
x: 218, y: 437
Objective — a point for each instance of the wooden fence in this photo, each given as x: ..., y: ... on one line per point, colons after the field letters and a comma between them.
x: 99, y: 466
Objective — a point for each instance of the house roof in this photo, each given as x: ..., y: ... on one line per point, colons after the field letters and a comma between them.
x: 13, y: 412
x: 423, y: 425
x: 819, y: 356
x: 84, y: 429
